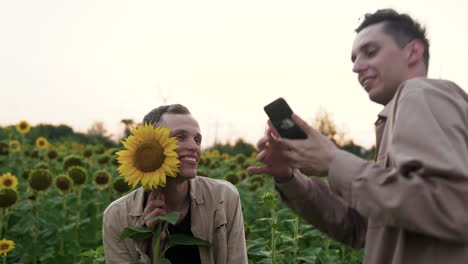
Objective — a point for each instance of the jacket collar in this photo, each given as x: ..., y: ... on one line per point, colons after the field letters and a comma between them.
x: 138, y: 198
x: 195, y: 192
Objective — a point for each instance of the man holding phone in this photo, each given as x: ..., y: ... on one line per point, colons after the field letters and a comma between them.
x: 410, y: 205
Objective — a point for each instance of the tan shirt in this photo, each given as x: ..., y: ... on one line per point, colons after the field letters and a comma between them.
x: 411, y: 204
x: 216, y: 216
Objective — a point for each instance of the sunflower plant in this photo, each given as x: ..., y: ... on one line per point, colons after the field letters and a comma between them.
x: 148, y: 159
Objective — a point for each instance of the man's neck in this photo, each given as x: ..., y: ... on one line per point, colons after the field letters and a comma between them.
x: 176, y: 195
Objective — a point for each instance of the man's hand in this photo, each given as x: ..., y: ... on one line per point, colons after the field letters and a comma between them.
x: 313, y: 155
x: 271, y: 155
x: 154, y: 208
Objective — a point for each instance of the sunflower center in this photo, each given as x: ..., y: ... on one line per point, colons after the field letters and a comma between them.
x: 41, y: 143
x: 149, y: 157
x: 4, y: 246
x: 23, y: 126
x: 7, y: 182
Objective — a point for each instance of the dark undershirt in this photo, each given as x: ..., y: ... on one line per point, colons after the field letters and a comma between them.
x: 181, y: 254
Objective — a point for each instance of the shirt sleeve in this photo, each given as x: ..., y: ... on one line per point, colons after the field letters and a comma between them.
x: 421, y: 182
x: 237, y: 251
x: 312, y: 199
x: 115, y: 251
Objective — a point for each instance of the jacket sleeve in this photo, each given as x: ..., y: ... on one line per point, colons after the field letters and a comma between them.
x: 237, y: 251
x: 115, y: 251
x: 421, y: 182
x: 312, y: 199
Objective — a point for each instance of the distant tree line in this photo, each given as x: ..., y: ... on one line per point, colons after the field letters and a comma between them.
x: 58, y: 134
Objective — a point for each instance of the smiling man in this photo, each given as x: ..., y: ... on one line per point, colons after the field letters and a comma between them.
x: 410, y: 205
x: 209, y: 209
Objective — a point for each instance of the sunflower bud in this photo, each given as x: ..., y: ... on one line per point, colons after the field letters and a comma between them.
x: 52, y: 154
x: 8, y: 197
x: 101, y: 179
x: 4, y: 149
x: 42, y: 165
x: 63, y: 183
x: 88, y: 152
x: 77, y: 174
x: 72, y: 160
x: 104, y: 159
x: 121, y: 186
x: 40, y: 179
x: 232, y: 178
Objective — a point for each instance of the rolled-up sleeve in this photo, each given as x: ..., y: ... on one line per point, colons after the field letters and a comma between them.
x: 420, y: 183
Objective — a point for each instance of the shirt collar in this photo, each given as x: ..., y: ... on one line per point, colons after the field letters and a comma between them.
x: 195, y: 191
x: 138, y: 198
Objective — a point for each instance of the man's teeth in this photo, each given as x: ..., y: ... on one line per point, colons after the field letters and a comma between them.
x: 189, y: 159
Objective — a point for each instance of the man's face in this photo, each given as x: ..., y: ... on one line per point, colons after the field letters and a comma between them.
x: 380, y: 63
x: 187, y: 131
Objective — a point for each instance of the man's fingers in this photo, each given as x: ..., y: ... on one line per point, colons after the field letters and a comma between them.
x: 302, y: 124
x: 256, y: 170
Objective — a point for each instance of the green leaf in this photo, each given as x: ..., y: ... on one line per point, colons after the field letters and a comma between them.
x: 164, y: 261
x: 136, y: 233
x: 181, y: 239
x: 171, y: 217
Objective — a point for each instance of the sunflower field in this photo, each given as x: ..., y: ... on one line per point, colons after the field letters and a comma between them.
x: 52, y: 197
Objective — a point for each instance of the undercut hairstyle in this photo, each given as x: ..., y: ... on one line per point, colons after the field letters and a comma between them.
x: 156, y: 114
x: 401, y: 27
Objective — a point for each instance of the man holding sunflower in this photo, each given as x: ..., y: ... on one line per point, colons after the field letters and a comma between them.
x: 209, y: 209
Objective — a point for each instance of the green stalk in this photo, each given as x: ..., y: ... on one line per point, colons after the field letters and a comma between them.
x: 78, y: 202
x: 1, y: 222
x: 36, y: 228
x: 62, y: 240
x: 296, y: 237
x: 157, y: 238
x: 273, y: 235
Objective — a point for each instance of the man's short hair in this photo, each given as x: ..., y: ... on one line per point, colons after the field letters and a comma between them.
x: 156, y: 114
x: 401, y: 27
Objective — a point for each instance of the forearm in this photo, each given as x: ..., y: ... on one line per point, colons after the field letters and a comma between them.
x: 419, y: 199
x: 313, y: 200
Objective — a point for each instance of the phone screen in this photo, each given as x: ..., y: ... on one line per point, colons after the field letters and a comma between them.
x: 280, y: 113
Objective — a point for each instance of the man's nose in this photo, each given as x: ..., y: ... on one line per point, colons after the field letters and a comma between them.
x: 359, y: 66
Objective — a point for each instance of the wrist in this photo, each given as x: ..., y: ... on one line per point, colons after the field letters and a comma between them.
x: 287, y: 178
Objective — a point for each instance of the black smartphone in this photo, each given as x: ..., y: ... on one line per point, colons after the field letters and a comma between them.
x: 280, y: 113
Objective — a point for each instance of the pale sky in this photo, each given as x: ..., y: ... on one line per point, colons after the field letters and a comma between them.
x: 77, y: 62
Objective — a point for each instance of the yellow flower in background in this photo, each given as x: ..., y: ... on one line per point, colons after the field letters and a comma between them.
x: 23, y: 127
x: 15, y: 146
x: 149, y: 157
x: 42, y: 143
x: 6, y: 246
x: 8, y: 180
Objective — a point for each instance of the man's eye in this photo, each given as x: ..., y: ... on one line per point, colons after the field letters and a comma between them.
x: 371, y: 53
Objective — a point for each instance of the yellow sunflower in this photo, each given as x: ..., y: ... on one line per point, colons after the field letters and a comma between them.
x: 41, y: 143
x: 23, y: 127
x: 149, y: 157
x: 15, y: 146
x: 6, y: 246
x: 8, y: 180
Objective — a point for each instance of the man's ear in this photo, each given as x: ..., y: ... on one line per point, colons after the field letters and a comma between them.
x: 415, y: 51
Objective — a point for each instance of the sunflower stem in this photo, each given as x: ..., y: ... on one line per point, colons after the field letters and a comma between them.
x: 62, y: 240
x: 36, y: 228
x: 78, y: 202
x: 157, y: 238
x: 1, y: 222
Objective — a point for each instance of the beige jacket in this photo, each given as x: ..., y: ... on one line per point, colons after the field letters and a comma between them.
x: 216, y: 216
x: 410, y: 205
